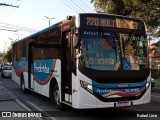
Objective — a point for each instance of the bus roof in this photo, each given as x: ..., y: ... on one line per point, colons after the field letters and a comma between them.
x: 55, y: 25
x: 40, y: 32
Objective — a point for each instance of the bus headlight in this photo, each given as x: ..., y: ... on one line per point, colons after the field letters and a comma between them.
x: 86, y: 86
x: 147, y: 84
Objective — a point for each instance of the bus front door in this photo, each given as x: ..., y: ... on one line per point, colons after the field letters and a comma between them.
x: 66, y: 65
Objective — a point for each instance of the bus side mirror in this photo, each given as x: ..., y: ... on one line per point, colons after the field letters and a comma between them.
x: 75, y: 40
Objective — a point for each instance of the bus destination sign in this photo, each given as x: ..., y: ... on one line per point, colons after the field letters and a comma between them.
x: 113, y: 22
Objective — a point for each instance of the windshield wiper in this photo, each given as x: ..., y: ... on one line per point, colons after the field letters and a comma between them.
x: 129, y: 39
x: 115, y: 48
x: 124, y: 42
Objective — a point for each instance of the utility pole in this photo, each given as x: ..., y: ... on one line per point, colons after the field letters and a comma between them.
x: 4, y: 46
x: 3, y: 4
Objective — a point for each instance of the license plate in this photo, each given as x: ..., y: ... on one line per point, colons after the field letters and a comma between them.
x: 123, y: 103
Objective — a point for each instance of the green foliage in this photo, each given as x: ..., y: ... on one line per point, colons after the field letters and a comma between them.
x: 146, y: 10
x: 158, y: 34
x: 155, y: 73
x: 8, y: 55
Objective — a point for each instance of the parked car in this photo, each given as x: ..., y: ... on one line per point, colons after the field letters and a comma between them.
x: 0, y: 67
x: 152, y: 83
x: 6, y: 71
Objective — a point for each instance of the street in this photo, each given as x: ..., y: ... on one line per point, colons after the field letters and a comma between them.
x: 36, y: 102
x: 83, y: 60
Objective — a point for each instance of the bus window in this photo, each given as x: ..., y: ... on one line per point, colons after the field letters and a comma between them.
x: 45, y: 53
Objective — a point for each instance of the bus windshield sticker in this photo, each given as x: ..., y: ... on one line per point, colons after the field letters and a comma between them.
x: 126, y: 65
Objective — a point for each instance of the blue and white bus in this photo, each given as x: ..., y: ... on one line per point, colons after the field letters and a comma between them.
x: 86, y: 61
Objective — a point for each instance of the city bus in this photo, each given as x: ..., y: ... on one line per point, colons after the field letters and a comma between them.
x: 86, y: 61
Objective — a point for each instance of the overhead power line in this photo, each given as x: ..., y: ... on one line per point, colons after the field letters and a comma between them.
x: 10, y: 11
x: 8, y: 30
x: 88, y: 7
x: 3, y: 4
x: 78, y: 6
x: 6, y: 25
x: 70, y: 6
x: 7, y: 12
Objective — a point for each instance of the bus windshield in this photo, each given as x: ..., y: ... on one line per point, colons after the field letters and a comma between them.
x: 110, y: 50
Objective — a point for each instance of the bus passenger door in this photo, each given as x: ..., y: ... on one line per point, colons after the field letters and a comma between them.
x: 30, y: 67
x: 66, y: 65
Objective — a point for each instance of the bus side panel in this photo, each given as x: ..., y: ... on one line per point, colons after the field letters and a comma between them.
x: 18, y: 68
x: 57, y: 74
x: 15, y: 76
x: 44, y: 71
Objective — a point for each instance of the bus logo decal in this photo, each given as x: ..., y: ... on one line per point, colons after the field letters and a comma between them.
x: 41, y: 68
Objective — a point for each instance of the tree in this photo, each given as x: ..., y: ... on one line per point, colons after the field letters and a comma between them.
x: 8, y: 55
x: 146, y: 10
x: 110, y: 6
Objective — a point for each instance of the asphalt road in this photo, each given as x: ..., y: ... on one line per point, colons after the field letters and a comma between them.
x: 37, y: 102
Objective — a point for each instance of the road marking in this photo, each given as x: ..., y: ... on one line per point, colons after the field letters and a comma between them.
x: 52, y: 118
x: 137, y: 110
x: 25, y: 107
x: 155, y: 96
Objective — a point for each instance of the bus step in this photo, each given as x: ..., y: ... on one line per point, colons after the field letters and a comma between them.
x: 67, y: 103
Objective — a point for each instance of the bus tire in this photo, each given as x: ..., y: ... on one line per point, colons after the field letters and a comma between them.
x: 24, y: 90
x: 56, y: 98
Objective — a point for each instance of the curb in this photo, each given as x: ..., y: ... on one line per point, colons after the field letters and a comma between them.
x: 9, y: 95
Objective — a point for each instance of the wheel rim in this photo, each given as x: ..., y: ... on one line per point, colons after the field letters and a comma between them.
x: 56, y: 96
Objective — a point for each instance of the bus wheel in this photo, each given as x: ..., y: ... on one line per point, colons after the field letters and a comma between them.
x: 23, y: 85
x: 56, y: 98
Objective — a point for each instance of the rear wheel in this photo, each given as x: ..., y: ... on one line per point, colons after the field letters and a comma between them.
x: 23, y: 85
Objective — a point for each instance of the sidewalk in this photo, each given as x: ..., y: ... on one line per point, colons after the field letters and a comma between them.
x: 10, y: 103
x: 8, y: 100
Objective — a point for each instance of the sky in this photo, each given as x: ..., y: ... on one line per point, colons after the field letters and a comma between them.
x: 28, y: 16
